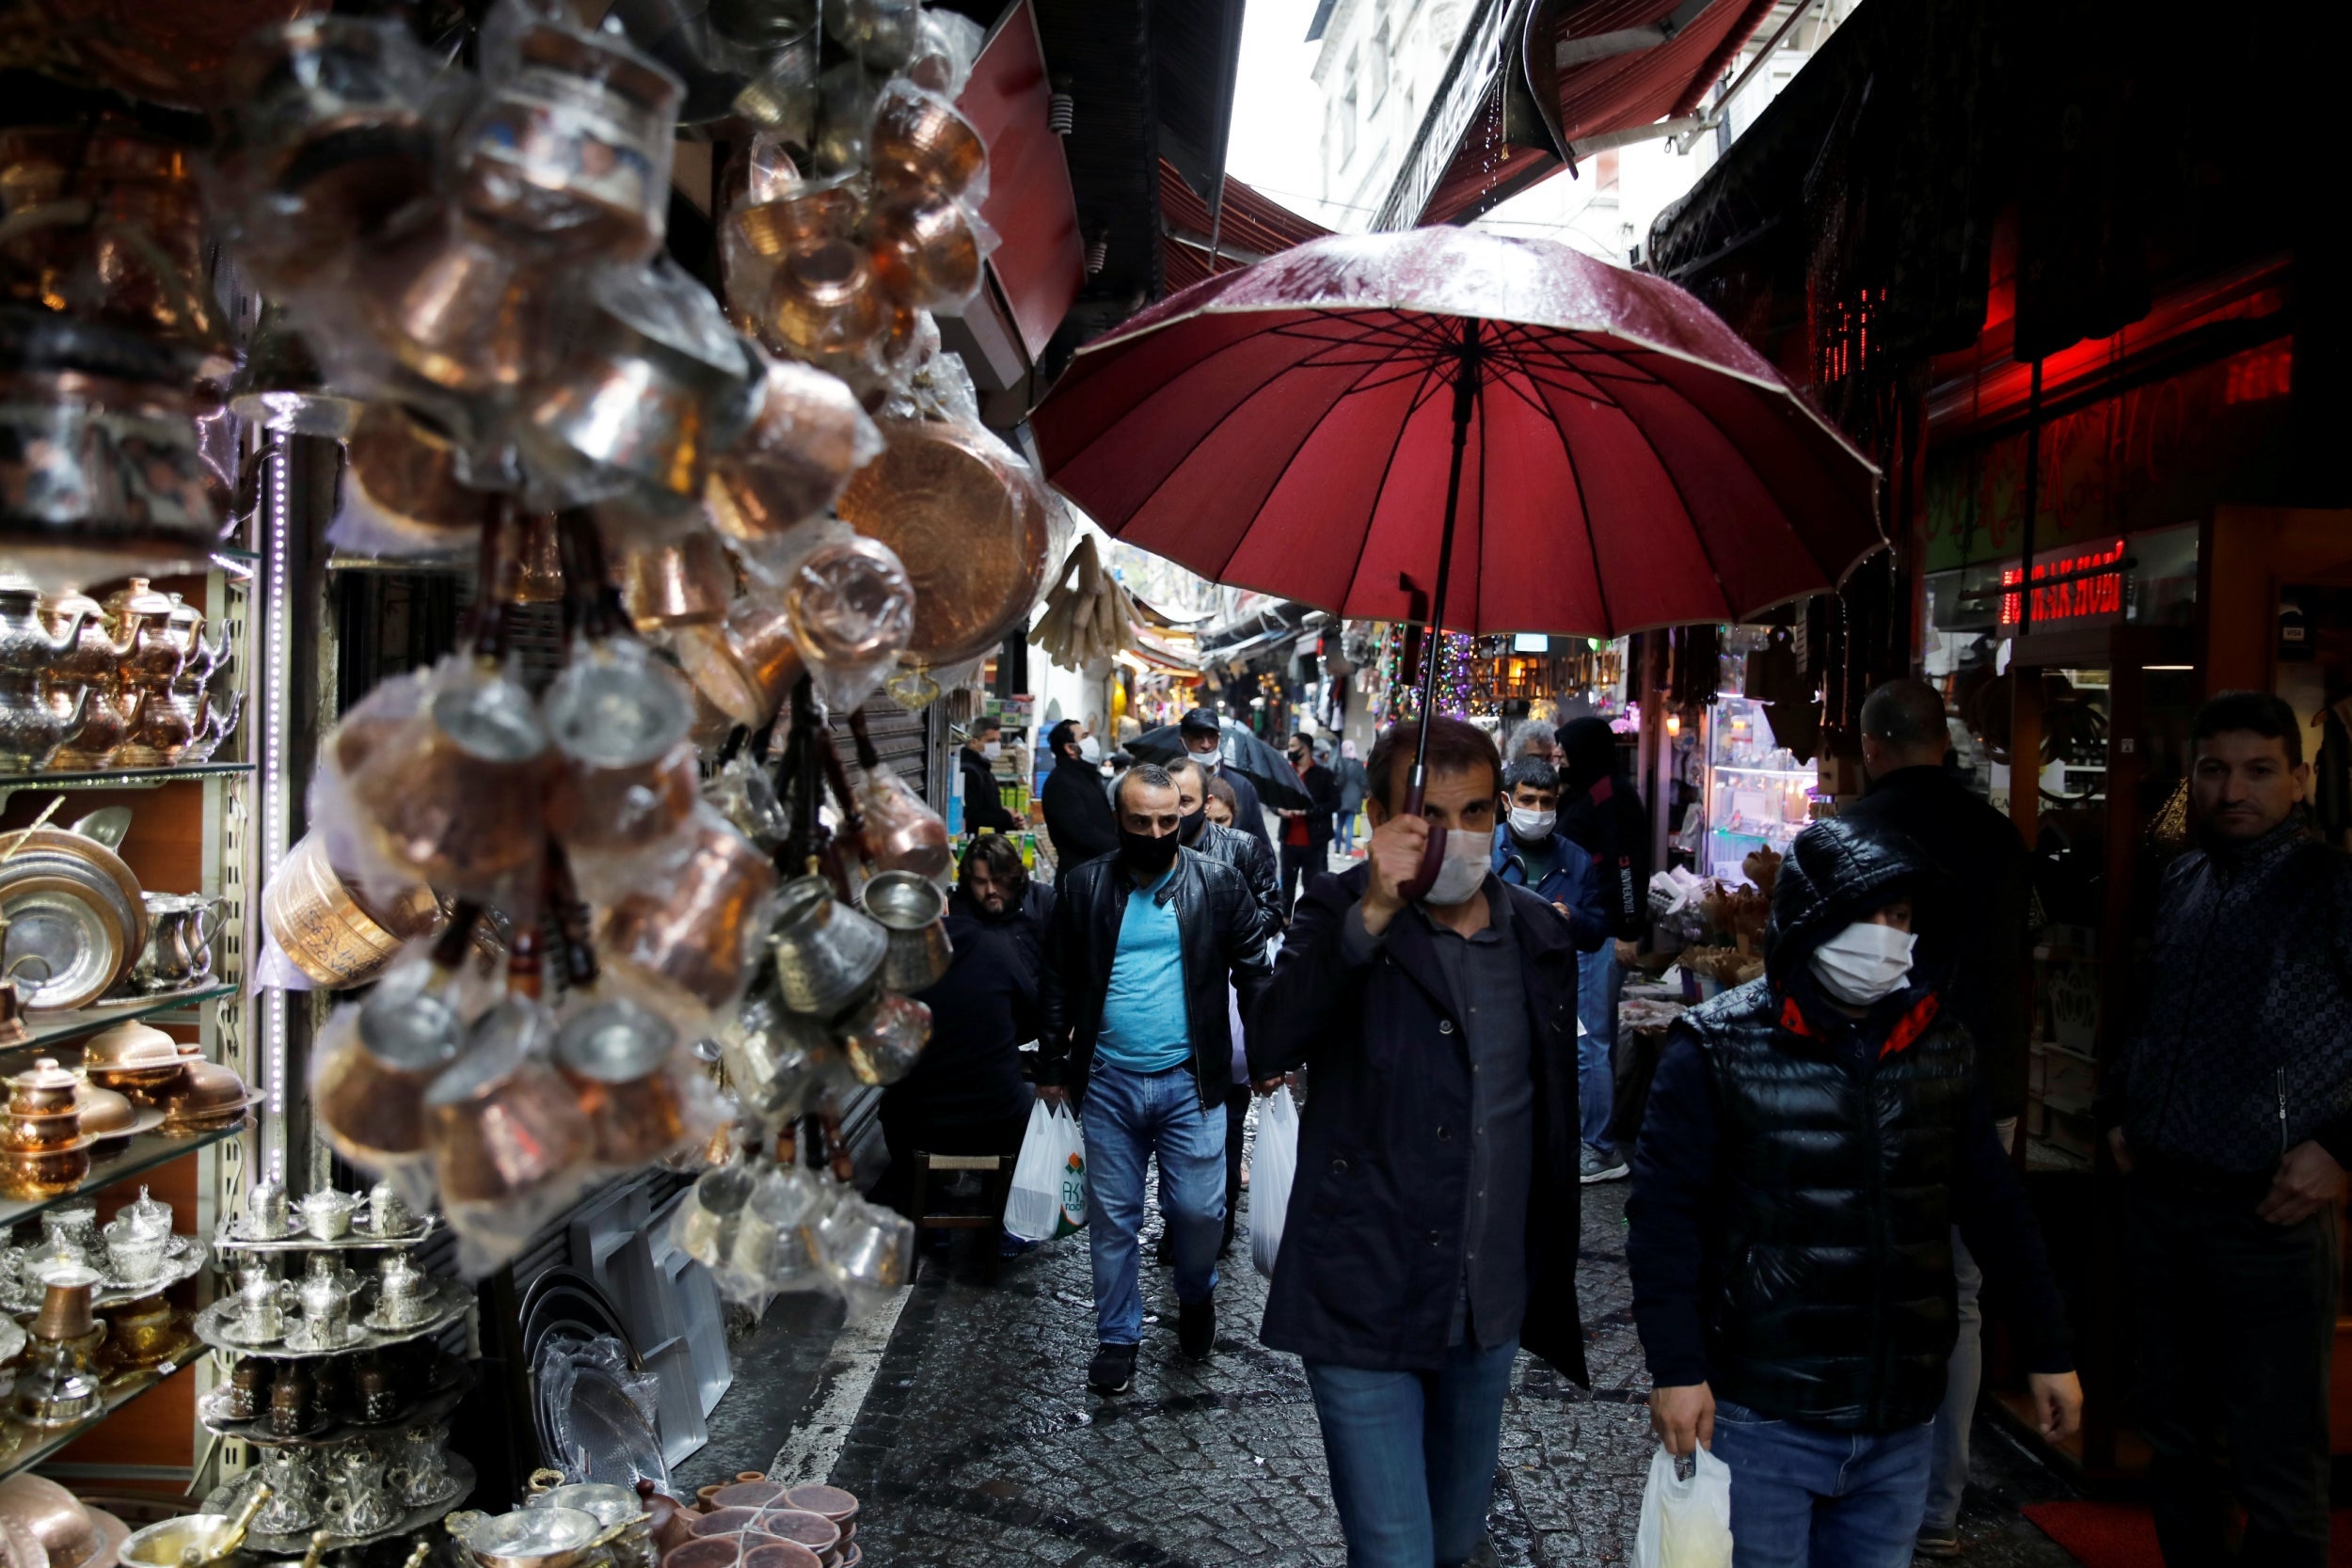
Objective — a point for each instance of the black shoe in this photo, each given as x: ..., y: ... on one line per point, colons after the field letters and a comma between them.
x: 1113, y: 1369
x: 1195, y: 1327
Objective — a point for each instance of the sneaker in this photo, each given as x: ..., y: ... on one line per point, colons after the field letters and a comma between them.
x: 1937, y: 1540
x: 1195, y: 1327
x: 1594, y: 1165
x: 1113, y: 1369
x: 1011, y: 1246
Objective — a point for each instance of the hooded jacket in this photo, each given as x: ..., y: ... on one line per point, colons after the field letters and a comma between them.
x: 1801, y: 1170
x: 1603, y: 812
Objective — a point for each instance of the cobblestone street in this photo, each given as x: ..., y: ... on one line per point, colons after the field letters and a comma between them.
x: 977, y: 1444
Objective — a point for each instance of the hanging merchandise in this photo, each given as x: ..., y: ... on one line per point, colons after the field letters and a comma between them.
x: 1090, y: 619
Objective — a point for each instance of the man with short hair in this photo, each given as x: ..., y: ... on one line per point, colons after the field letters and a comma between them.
x: 1905, y: 741
x: 2231, y: 1113
x: 1307, y: 830
x: 1529, y: 852
x: 1136, y: 1023
x: 1077, y: 808
x: 983, y: 806
x: 1811, y: 1140
x: 1203, y: 736
x: 1432, y: 1227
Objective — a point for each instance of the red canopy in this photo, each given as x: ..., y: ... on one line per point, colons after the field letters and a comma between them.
x: 1629, y: 461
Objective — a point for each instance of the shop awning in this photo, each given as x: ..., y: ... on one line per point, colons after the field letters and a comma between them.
x: 1160, y: 652
x: 1537, y: 85
x: 1249, y: 227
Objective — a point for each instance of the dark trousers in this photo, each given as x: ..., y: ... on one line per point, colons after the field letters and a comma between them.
x: 1237, y: 1112
x: 2238, y: 1322
x: 907, y: 1130
x: 1299, y: 861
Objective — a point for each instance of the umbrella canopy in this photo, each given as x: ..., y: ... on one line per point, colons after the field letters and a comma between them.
x: 1627, y: 461
x: 1240, y: 749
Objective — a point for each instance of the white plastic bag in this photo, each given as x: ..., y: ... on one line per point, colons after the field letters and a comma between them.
x: 1270, y: 1172
x: 1049, y: 1181
x: 1685, y: 1524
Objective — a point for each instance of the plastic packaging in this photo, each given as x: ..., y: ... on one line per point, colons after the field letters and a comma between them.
x: 851, y: 610
x: 1049, y: 1181
x: 1272, y: 1169
x: 1685, y: 1524
x: 806, y: 438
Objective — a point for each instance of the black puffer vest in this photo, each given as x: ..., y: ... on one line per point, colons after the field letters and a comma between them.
x: 1831, y: 1300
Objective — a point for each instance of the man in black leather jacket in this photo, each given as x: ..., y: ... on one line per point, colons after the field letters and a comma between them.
x: 1811, y: 1140
x: 1077, y: 807
x: 2232, y: 1116
x: 1131, y: 998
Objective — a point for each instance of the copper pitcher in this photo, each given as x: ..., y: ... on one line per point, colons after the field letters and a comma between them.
x: 697, y: 933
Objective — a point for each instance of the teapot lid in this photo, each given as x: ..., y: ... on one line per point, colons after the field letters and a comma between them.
x: 139, y: 598
x: 182, y: 612
x: 44, y: 1074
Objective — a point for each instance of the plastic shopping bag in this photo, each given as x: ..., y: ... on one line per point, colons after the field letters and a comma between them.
x: 1685, y: 1524
x: 1049, y: 1181
x: 1270, y: 1172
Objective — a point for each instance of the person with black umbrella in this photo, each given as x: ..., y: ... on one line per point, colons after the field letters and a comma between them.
x: 1077, y: 807
x: 1204, y: 738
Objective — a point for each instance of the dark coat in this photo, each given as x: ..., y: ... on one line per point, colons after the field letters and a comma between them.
x: 1801, y: 1170
x: 1370, y: 1264
x: 1249, y: 811
x: 1253, y: 860
x: 1355, y: 783
x: 1323, y: 796
x: 982, y: 806
x: 1078, y: 813
x: 1222, y: 932
x: 1984, y: 941
x: 982, y: 1009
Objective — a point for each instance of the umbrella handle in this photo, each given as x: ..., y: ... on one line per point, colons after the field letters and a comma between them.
x: 1432, y: 854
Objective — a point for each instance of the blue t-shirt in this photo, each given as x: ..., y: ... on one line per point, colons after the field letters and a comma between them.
x: 1144, y: 1025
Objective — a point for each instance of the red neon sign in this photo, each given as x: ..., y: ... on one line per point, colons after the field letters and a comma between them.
x: 2089, y: 588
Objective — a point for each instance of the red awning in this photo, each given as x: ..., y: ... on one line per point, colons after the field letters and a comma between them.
x: 1628, y: 65
x: 1039, y: 262
x: 1252, y: 229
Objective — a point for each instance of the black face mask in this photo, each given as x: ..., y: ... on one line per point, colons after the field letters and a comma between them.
x: 1147, y: 854
x: 1299, y: 759
x: 1189, y: 828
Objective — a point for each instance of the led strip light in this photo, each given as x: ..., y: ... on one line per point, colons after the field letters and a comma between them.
x: 274, y: 528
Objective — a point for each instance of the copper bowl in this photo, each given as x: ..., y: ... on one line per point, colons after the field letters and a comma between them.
x: 43, y: 1132
x: 925, y: 249
x: 747, y: 667
x: 969, y: 525
x: 682, y: 581
x: 209, y: 1096
x: 45, y: 1174
x: 812, y: 1531
x: 54, y: 1516
x: 808, y: 435
x: 811, y: 209
x: 41, y: 1090
x: 330, y: 933
x: 919, y: 142
x: 824, y: 303
x: 406, y: 472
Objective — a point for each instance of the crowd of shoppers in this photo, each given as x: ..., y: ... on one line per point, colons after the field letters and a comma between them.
x: 1825, y: 1190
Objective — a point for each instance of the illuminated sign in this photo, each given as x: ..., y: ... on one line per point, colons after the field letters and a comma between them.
x: 1530, y: 643
x: 2077, y: 586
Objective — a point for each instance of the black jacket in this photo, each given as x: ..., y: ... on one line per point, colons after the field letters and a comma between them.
x: 1600, y: 809
x: 1249, y: 811
x: 982, y: 806
x: 1222, y: 932
x: 2246, y: 1048
x: 1799, y: 1172
x: 982, y: 1009
x: 1253, y: 860
x: 1370, y: 1264
x: 1323, y: 796
x: 1078, y: 813
x: 1983, y: 939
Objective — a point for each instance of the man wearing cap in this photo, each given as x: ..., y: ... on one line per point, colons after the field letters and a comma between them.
x: 1204, y: 738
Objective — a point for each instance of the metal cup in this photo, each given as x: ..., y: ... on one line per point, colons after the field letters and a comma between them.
x: 884, y: 1038
x: 134, y: 1254
x: 711, y: 1212
x: 827, y: 954
x: 913, y: 910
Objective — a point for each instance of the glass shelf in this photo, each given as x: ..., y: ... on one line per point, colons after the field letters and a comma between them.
x: 24, y: 1446
x: 48, y: 1029
x: 1766, y: 773
x: 119, y: 778
x: 144, y: 1151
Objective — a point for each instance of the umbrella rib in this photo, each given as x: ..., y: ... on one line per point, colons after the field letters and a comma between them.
x: 1592, y: 536
x: 1363, y: 545
x: 1698, y: 534
x: 1789, y: 523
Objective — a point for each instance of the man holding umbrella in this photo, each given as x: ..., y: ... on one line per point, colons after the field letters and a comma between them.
x: 1204, y: 738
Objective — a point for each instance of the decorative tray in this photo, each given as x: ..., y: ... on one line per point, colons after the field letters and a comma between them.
x: 461, y: 1483
x: 432, y: 1407
x: 359, y: 1239
x: 184, y: 1258
x: 217, y: 1326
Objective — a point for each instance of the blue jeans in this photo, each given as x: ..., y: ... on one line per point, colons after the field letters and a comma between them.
x: 1806, y: 1497
x: 1128, y: 1117
x: 1600, y: 979
x: 1347, y: 832
x: 1412, y: 1455
x: 1947, y: 1476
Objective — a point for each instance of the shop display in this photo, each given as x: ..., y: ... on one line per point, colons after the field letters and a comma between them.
x: 1756, y: 792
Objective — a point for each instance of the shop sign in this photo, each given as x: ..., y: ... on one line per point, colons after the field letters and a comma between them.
x: 2070, y: 586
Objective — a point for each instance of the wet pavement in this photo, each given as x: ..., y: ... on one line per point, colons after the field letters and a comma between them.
x: 965, y: 1426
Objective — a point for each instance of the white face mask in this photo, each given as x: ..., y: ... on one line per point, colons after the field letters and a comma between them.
x: 1863, y: 963
x: 991, y: 749
x: 1463, y: 871
x: 1532, y: 826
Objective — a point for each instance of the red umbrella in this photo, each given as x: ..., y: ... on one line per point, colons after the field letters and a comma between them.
x: 1570, y: 446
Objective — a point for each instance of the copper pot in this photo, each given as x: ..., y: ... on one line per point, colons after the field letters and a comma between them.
x: 968, y: 522
x: 406, y: 472
x: 695, y: 933
x: 67, y: 1290
x: 452, y: 303
x: 746, y: 668
x: 328, y: 929
x: 926, y: 250
x: 759, y: 232
x: 136, y: 1059
x: 457, y: 804
x: 105, y: 1114
x: 616, y: 1056
x: 824, y: 304
x: 132, y: 240
x: 685, y: 580
x: 808, y: 436
x: 378, y: 1060
x: 47, y: 1173
x: 505, y: 1123
x: 211, y: 1096
x: 41, y: 1089
x: 172, y: 54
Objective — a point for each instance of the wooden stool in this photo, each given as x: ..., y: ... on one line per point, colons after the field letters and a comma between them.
x: 995, y: 1186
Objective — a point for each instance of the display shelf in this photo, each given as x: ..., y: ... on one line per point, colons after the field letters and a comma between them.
x: 24, y: 1446
x: 51, y: 1029
x: 144, y: 1151
x: 120, y: 778
x: 433, y: 1407
x: 213, y: 1327
x: 1766, y: 773
x: 459, y: 1487
x: 226, y: 1240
